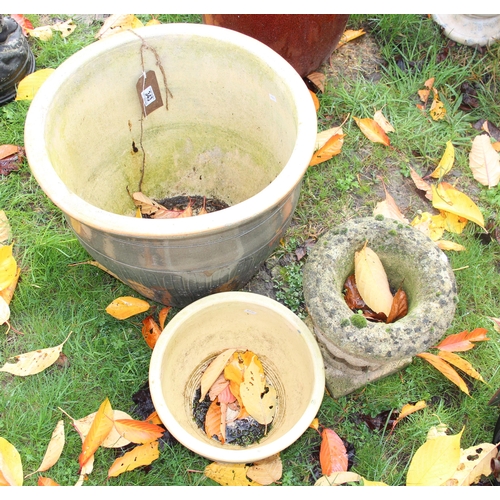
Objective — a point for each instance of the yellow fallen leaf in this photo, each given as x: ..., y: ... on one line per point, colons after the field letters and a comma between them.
x: 436, y: 431
x: 446, y: 162
x: 431, y: 225
x: 43, y: 33
x: 452, y: 222
x: 474, y: 463
x: 54, y: 449
x: 8, y: 266
x: 314, y: 424
x: 33, y: 362
x: 371, y: 280
x: 349, y: 35
x: 229, y: 474
x: 30, y: 84
x: 141, y: 455
x: 125, y: 307
x: 11, y: 467
x: 65, y: 28
x: 448, y: 371
x: 435, y: 461
x: 484, y: 161
x: 153, y: 22
x: 445, y: 197
x: 437, y: 111
x: 459, y: 362
x: 8, y: 292
x: 450, y: 245
x: 258, y: 398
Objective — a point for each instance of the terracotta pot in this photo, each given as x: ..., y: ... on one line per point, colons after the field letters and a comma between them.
x: 240, y: 127
x: 304, y: 40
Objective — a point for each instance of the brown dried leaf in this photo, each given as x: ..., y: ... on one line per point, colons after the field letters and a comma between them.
x: 421, y: 184
x: 318, y: 79
x: 266, y: 471
x: 150, y: 331
x: 424, y: 94
x: 388, y: 208
x: 352, y: 297
x: 399, y: 307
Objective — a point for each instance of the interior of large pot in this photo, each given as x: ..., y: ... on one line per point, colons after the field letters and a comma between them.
x: 290, y: 356
x: 231, y: 125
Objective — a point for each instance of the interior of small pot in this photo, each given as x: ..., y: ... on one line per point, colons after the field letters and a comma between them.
x: 291, y: 358
x: 230, y: 126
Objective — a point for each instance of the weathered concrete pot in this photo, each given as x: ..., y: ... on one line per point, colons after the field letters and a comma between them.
x: 470, y: 29
x: 197, y: 334
x: 240, y: 127
x: 355, y: 355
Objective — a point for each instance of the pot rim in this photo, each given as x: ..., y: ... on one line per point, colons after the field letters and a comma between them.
x: 235, y: 455
x: 268, y: 198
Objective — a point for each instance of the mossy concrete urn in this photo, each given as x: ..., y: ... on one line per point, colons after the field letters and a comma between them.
x: 357, y: 352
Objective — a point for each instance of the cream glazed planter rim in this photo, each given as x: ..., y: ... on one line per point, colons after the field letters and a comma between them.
x: 291, y: 428
x: 86, y: 213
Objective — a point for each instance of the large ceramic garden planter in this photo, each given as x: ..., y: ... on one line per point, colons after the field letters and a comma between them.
x: 240, y: 127
x: 357, y: 352
x: 196, y: 335
x: 304, y: 40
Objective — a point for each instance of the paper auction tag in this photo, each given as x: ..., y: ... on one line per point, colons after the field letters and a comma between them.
x: 149, y: 93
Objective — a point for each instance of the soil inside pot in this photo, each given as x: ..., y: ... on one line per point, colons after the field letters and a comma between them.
x: 198, y: 204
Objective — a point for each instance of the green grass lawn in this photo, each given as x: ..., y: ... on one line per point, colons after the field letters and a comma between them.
x: 108, y: 358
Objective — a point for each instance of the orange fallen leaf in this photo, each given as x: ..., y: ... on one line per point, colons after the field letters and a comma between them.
x: 315, y: 100
x: 162, y: 316
x: 461, y: 363
x: 150, y: 331
x: 213, y: 420
x: 399, y: 307
x: 408, y: 409
x: 332, y: 453
x: 331, y: 148
x: 99, y: 430
x: 372, y: 130
x: 424, y: 93
x: 141, y: 455
x: 383, y: 121
x: 46, y: 481
x: 448, y: 371
x: 125, y: 307
x: 137, y: 431
x: 462, y: 341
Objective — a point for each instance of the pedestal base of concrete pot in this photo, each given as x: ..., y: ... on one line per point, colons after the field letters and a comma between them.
x: 355, y: 355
